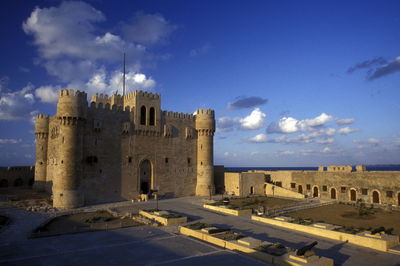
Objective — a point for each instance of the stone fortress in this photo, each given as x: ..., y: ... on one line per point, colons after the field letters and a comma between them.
x: 120, y: 147
x: 337, y: 182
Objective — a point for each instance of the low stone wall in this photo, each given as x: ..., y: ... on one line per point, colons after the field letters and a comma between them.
x: 228, y: 211
x: 247, y: 245
x: 163, y: 220
x: 378, y: 242
x: 273, y: 190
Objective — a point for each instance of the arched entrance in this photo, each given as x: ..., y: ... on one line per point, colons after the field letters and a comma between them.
x: 375, y: 197
x: 353, y: 195
x: 315, y: 192
x: 145, y: 176
x: 333, y: 193
x: 300, y: 189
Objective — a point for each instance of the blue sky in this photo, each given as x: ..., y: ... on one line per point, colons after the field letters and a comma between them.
x: 293, y: 83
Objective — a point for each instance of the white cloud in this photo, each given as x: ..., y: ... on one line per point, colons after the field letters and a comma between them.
x: 253, y: 121
x: 326, y: 150
x: 325, y: 141
x: 347, y: 130
x: 100, y: 82
x: 318, y: 136
x: 293, y: 125
x: 287, y: 152
x: 48, y: 94
x: 16, y: 105
x: 315, y: 122
x: 288, y: 125
x: 74, y: 47
x: 260, y: 138
x: 344, y: 121
x: 230, y: 154
x: 10, y: 141
x: 368, y: 141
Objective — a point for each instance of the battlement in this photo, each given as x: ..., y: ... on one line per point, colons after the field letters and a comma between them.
x: 42, y: 125
x: 100, y: 107
x: 73, y: 93
x: 42, y: 116
x: 145, y: 94
x: 205, y: 112
x: 177, y: 115
x: 340, y: 168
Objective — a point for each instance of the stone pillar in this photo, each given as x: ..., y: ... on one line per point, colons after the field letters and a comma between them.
x: 205, y: 127
x: 42, y: 136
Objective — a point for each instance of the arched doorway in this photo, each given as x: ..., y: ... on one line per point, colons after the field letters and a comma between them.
x: 353, y: 195
x: 333, y: 193
x: 315, y: 192
x: 145, y: 176
x: 300, y: 189
x: 375, y: 197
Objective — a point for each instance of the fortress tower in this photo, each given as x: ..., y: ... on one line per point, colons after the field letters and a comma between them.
x: 205, y: 127
x: 120, y: 147
x: 71, y: 115
x: 42, y: 135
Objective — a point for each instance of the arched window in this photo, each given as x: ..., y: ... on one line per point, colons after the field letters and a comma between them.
x: 152, y: 116
x: 143, y: 115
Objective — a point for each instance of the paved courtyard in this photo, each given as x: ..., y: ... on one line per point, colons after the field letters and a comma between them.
x: 162, y: 246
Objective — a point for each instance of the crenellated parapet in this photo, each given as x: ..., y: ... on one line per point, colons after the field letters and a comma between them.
x: 42, y: 126
x: 205, y: 121
x: 177, y: 115
x: 108, y: 108
x: 72, y: 103
x: 143, y: 94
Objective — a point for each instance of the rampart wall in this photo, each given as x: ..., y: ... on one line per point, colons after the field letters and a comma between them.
x: 16, y: 176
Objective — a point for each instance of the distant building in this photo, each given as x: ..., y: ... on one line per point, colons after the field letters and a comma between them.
x: 337, y: 182
x: 120, y: 147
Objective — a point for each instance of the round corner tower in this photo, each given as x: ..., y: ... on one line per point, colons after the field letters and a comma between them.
x: 71, y: 115
x: 205, y: 128
x: 41, y: 135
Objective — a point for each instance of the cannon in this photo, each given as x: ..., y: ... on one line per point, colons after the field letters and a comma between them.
x: 302, y: 251
x: 378, y: 230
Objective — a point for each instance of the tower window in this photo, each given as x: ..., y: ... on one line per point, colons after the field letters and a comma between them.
x: 152, y: 116
x: 188, y: 161
x: 166, y: 159
x: 129, y: 159
x: 143, y: 115
x: 324, y: 188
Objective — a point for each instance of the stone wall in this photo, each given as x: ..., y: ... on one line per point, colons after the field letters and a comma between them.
x: 372, y: 187
x: 245, y: 183
x: 16, y: 176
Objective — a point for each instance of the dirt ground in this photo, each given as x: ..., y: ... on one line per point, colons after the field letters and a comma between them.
x: 82, y: 222
x: 347, y: 215
x: 255, y: 202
